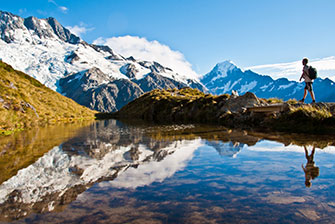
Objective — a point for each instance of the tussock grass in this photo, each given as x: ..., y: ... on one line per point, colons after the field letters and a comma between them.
x: 171, y: 105
x: 292, y: 101
x: 274, y: 100
x: 309, y: 111
x: 25, y: 102
x: 306, y: 119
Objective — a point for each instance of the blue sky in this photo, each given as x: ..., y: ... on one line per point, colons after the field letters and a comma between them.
x: 250, y: 33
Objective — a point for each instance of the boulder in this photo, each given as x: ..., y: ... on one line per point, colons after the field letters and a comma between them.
x: 237, y: 104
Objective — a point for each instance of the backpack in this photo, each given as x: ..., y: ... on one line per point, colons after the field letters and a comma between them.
x: 312, y: 73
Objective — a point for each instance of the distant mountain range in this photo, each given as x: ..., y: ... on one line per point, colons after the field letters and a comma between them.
x: 99, y: 78
x: 92, y: 75
x: 226, y: 76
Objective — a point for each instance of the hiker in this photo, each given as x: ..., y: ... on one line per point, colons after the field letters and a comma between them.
x: 311, y: 171
x: 308, y: 81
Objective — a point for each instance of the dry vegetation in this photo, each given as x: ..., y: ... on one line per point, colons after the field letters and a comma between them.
x: 25, y: 102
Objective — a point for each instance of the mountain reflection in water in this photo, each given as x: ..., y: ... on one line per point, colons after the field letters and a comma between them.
x: 113, y: 172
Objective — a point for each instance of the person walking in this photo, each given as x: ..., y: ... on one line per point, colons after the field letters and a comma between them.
x: 308, y: 81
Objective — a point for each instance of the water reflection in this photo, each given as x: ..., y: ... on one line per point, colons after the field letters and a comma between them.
x: 99, y: 153
x: 311, y: 171
x: 230, y: 149
x: 115, y: 172
x: 24, y: 148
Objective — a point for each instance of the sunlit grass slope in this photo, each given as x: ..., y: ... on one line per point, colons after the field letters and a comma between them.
x: 25, y: 102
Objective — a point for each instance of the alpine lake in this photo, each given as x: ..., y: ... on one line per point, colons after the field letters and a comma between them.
x: 113, y: 171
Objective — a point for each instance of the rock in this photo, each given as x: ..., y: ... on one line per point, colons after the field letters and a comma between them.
x: 131, y: 58
x: 49, y: 29
x: 155, y: 81
x: 72, y: 57
x: 238, y: 103
x: 96, y: 90
x: 234, y: 93
x: 129, y: 70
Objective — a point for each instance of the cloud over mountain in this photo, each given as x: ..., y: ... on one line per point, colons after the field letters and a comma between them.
x: 140, y: 47
x: 79, y: 29
x: 292, y: 70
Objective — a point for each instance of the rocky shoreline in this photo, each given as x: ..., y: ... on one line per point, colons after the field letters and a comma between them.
x: 243, y: 112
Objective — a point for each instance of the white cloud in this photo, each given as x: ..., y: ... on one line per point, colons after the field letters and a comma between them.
x: 63, y: 9
x: 293, y: 70
x: 142, y: 49
x: 79, y: 29
x: 23, y: 11
x: 270, y: 146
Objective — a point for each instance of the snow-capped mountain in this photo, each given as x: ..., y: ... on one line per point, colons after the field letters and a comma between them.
x: 229, y: 149
x: 49, y: 52
x: 226, y: 76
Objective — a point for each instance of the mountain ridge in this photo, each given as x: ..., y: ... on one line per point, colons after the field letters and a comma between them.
x: 49, y: 52
x: 235, y: 79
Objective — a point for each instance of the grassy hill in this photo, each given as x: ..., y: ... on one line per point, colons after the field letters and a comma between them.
x: 192, y: 106
x: 25, y: 102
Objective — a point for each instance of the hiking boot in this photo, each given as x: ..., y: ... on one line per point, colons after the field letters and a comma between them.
x: 313, y: 101
x: 301, y: 101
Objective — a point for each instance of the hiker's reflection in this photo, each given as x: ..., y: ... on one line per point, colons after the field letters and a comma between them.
x: 311, y: 171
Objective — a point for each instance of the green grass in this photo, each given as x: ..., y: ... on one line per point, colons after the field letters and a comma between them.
x: 20, y: 93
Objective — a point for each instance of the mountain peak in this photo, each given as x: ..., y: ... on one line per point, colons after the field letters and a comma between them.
x: 32, y: 28
x: 220, y: 70
x: 225, y: 66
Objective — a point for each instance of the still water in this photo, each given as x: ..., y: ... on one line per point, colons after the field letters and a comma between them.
x: 113, y: 172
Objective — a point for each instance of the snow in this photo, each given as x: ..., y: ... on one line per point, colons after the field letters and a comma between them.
x: 44, y: 24
x: 263, y: 88
x: 285, y: 86
x: 226, y: 66
x: 222, y: 69
x: 228, y: 86
x: 248, y: 87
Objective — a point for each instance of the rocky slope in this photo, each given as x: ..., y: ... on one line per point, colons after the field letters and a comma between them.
x: 226, y: 76
x: 25, y: 102
x: 190, y: 105
x: 47, y: 51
